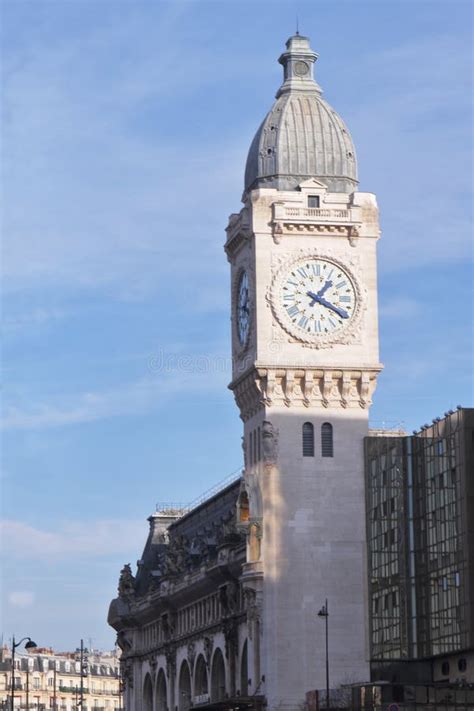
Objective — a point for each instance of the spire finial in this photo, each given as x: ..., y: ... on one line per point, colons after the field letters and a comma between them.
x: 297, y: 25
x: 298, y: 63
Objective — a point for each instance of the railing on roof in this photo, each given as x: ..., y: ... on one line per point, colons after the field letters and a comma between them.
x: 395, y: 427
x: 180, y: 510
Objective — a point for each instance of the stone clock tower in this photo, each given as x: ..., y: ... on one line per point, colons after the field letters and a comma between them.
x: 305, y: 363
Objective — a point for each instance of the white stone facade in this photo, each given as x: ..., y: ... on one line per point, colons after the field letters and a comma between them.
x: 311, y: 509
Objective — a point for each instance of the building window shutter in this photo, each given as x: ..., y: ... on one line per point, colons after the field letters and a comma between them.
x: 308, y: 440
x: 327, y: 449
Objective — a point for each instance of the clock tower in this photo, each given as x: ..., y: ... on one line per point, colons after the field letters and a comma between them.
x: 305, y: 361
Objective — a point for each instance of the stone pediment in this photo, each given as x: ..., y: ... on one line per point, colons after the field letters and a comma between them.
x: 312, y: 184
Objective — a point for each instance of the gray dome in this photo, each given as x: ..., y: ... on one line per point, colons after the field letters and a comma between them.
x: 302, y: 136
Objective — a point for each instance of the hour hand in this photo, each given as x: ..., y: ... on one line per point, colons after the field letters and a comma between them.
x: 326, y: 286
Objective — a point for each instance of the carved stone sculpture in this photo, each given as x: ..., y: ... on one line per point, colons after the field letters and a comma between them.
x: 191, y: 654
x: 269, y: 443
x: 126, y: 586
x: 208, y: 647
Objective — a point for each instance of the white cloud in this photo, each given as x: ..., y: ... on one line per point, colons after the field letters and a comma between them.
x: 174, y: 374
x: 92, y: 539
x: 21, y: 598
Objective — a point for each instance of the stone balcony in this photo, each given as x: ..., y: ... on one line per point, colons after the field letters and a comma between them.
x: 312, y: 214
x: 319, y: 220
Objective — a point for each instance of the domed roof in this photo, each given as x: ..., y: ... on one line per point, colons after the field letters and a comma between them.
x: 302, y: 136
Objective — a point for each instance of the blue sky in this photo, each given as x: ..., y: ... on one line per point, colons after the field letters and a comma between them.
x: 125, y: 131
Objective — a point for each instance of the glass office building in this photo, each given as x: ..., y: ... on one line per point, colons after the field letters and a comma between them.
x: 420, y: 533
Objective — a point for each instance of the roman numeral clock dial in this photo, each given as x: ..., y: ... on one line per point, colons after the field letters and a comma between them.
x: 243, y: 309
x: 316, y: 300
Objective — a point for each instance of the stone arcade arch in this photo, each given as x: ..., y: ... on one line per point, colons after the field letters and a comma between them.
x: 147, y: 694
x: 218, y: 677
x: 184, y: 688
x: 244, y: 671
x: 201, y: 684
x: 161, y: 695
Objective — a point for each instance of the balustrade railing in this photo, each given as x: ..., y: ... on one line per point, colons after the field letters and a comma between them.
x: 319, y: 213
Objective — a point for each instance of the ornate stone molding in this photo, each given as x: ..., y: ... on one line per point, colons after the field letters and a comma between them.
x: 281, y: 229
x: 333, y: 221
x: 231, y: 636
x: 304, y: 387
x: 269, y: 443
x: 170, y: 655
x: 253, y: 606
x: 238, y: 232
x: 191, y: 654
x: 208, y: 647
x: 248, y: 395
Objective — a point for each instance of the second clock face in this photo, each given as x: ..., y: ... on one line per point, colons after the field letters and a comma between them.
x: 243, y: 309
x: 318, y: 297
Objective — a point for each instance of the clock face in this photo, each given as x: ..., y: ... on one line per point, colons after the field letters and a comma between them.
x: 318, y: 298
x: 301, y: 68
x: 243, y: 309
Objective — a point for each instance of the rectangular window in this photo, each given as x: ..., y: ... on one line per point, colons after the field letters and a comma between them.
x: 313, y: 200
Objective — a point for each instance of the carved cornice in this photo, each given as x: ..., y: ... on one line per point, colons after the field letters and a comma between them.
x: 238, y: 232
x: 185, y: 640
x: 265, y: 387
x: 281, y: 229
x: 333, y: 221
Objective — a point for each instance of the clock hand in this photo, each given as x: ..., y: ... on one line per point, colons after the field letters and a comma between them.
x: 313, y: 296
x: 327, y: 304
x: 326, y: 286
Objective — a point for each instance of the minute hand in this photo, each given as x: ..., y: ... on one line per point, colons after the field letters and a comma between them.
x: 327, y: 304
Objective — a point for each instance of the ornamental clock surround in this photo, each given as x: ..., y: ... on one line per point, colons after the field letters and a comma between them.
x: 317, y: 298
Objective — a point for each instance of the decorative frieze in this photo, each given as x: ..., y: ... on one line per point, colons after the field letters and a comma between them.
x: 304, y: 387
x: 238, y: 232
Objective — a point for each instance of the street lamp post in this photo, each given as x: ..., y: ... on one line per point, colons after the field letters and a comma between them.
x: 29, y: 645
x: 324, y: 612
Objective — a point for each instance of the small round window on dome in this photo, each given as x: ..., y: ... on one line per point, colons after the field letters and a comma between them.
x: 269, y: 151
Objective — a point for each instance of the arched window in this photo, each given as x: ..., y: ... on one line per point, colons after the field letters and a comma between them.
x: 327, y: 448
x: 161, y: 695
x: 200, y: 677
x: 308, y: 440
x: 244, y: 672
x: 218, y: 677
x: 147, y: 694
x: 184, y: 688
x: 243, y: 508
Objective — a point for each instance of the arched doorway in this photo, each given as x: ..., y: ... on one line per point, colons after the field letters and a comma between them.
x: 184, y: 701
x: 161, y: 700
x: 201, y: 686
x: 244, y: 671
x: 218, y: 677
x: 147, y: 694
